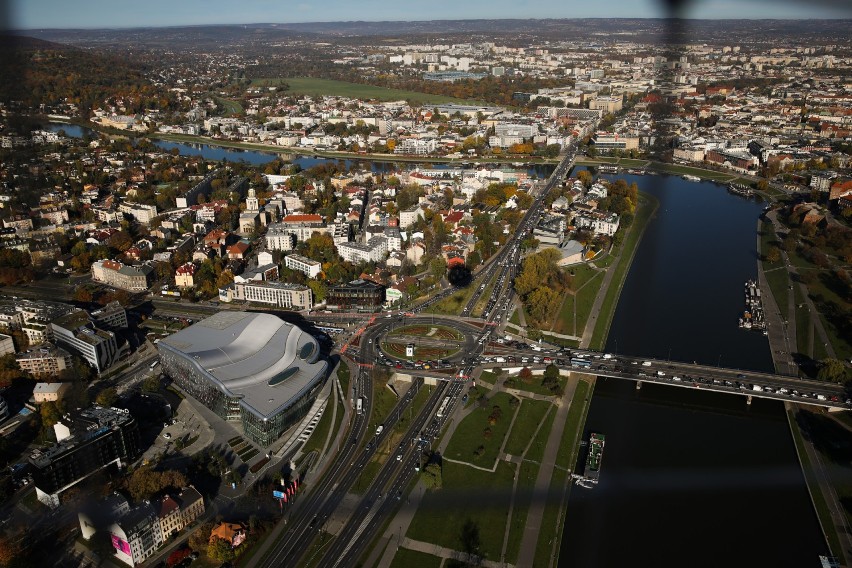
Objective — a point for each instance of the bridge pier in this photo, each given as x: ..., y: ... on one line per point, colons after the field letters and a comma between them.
x: 638, y: 385
x: 748, y: 400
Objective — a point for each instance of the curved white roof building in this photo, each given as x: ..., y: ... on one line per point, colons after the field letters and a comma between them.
x: 248, y: 367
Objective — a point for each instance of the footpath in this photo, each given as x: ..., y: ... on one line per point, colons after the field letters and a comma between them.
x: 783, y: 343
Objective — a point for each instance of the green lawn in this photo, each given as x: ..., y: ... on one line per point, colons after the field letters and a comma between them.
x: 823, y: 295
x: 515, y: 319
x: 476, y: 440
x: 535, y: 453
x: 452, y: 304
x: 820, y: 505
x: 468, y: 495
x: 228, y: 105
x: 565, y: 318
x: 487, y: 377
x: 405, y: 558
x: 343, y: 377
x: 530, y: 415
x: 426, y: 330
x: 550, y: 531
x: 479, y: 307
x: 587, y: 161
x: 631, y: 163
x: 313, y: 86
x: 699, y: 172
x: 803, y: 322
x: 383, y: 402
x: 535, y: 386
x: 573, y: 427
x: 647, y: 206
x: 523, y: 499
x: 320, y: 433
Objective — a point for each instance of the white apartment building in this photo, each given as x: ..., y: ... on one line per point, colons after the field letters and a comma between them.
x: 280, y: 294
x: 410, y: 216
x: 374, y: 251
x: 600, y: 223
x: 141, y: 213
x: 279, y: 238
x: 311, y: 268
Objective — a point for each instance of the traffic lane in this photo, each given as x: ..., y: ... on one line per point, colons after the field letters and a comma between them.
x: 389, y: 470
x: 404, y: 476
x: 350, y: 475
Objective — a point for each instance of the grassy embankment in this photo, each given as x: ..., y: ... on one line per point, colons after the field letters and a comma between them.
x: 581, y: 301
x: 817, y: 498
x: 553, y: 519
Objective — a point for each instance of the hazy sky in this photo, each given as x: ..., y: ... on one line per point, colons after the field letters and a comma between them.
x: 30, y: 14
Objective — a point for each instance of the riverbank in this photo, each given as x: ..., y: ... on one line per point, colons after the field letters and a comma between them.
x: 287, y: 152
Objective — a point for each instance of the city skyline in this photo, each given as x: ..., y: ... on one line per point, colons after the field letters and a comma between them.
x: 47, y: 14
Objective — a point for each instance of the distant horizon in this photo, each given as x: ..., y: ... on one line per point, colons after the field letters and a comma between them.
x: 26, y: 15
x: 213, y: 25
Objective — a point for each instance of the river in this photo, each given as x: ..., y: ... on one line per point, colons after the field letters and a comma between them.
x: 257, y: 157
x: 691, y: 478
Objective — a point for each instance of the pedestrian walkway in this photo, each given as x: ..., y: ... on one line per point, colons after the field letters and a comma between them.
x: 529, y: 542
x: 778, y: 329
x: 829, y: 495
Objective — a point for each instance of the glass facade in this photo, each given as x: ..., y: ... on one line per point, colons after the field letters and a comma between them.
x: 264, y: 431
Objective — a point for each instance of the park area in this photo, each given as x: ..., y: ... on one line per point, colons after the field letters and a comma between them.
x: 320, y: 87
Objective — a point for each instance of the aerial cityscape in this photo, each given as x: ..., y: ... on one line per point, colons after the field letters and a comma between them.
x: 352, y: 284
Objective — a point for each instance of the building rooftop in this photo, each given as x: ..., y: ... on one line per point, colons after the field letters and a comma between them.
x: 257, y: 357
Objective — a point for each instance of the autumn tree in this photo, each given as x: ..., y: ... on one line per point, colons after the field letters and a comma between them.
x: 178, y: 556
x: 220, y: 550
x: 833, y: 370
x: 200, y: 538
x: 773, y: 255
x: 145, y: 482
x: 107, y: 397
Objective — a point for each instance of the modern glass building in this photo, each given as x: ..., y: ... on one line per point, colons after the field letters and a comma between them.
x: 251, y: 368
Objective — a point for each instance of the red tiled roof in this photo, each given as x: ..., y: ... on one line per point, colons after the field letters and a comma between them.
x: 303, y: 218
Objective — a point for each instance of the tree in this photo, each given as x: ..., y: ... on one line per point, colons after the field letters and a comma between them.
x: 319, y: 289
x: 773, y: 255
x: 438, y: 268
x: 199, y: 539
x: 51, y: 413
x: 178, y: 556
x: 832, y: 370
x: 151, y: 384
x: 551, y: 380
x: 526, y: 375
x: 220, y: 550
x: 107, y: 397
x: 432, y: 475
x: 145, y: 482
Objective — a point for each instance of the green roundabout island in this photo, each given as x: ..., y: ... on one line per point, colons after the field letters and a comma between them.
x: 399, y: 350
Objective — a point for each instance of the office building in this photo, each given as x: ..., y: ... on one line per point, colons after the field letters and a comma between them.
x: 251, y: 368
